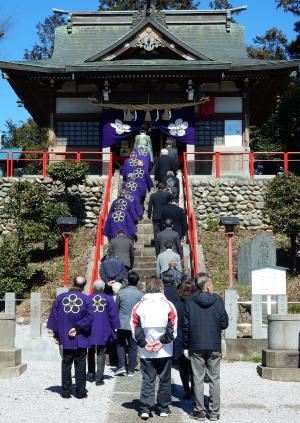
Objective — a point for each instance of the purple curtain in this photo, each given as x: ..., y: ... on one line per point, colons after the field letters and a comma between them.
x: 114, y: 128
x: 181, y: 125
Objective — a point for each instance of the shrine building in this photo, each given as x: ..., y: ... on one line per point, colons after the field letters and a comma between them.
x: 180, y: 74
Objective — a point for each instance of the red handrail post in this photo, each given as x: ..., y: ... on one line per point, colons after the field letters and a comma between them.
x: 66, y: 258
x: 286, y: 162
x: 12, y: 164
x: 44, y: 164
x: 251, y: 164
x: 230, y: 266
x: 7, y: 165
x: 78, y: 156
x: 218, y: 165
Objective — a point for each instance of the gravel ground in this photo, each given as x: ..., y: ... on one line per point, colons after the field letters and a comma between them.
x: 34, y: 397
x: 245, y: 397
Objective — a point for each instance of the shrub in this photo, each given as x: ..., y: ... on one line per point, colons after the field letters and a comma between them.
x: 15, y: 274
x: 282, y: 203
x: 68, y: 172
x: 213, y: 225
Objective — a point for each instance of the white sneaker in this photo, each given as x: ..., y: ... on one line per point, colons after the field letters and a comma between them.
x: 120, y: 371
x: 164, y: 413
x: 144, y: 415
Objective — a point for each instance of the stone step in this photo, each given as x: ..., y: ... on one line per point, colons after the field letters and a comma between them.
x: 144, y: 260
x: 145, y: 272
x: 145, y: 266
x: 145, y: 228
x: 145, y: 252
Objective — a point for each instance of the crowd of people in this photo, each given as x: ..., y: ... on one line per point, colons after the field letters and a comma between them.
x: 176, y: 321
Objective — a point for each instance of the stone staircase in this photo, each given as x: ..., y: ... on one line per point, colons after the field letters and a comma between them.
x: 145, y: 258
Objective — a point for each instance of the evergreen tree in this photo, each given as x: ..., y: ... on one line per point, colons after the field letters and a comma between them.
x: 289, y: 6
x: 294, y: 7
x: 135, y: 5
x: 27, y: 135
x: 273, y: 45
x: 46, y: 35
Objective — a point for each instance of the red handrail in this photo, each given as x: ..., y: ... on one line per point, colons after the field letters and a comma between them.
x: 252, y: 157
x: 101, y: 222
x: 192, y: 228
x: 7, y: 161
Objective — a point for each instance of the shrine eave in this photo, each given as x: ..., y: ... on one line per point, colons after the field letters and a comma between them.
x: 247, y: 65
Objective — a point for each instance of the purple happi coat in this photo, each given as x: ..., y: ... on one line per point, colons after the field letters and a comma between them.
x: 144, y: 156
x: 129, y: 166
x: 72, y: 309
x: 142, y: 178
x: 132, y: 187
x: 135, y: 201
x: 119, y: 220
x: 125, y: 204
x: 106, y: 319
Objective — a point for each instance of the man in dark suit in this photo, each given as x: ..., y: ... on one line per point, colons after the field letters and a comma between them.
x: 122, y: 248
x: 177, y: 214
x: 163, y: 164
x: 172, y: 184
x: 112, y: 270
x: 157, y: 200
x: 172, y: 152
x: 168, y: 234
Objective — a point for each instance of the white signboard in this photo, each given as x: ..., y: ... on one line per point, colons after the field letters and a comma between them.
x: 233, y: 133
x: 268, y: 281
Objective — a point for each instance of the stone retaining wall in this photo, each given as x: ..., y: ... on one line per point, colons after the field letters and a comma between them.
x: 85, y: 200
x: 241, y: 198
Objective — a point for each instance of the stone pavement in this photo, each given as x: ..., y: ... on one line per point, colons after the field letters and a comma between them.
x: 126, y: 402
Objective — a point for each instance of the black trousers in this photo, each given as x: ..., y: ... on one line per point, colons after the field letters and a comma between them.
x: 78, y: 357
x: 124, y: 339
x: 151, y: 368
x: 156, y: 227
x: 100, y: 361
x: 185, y: 372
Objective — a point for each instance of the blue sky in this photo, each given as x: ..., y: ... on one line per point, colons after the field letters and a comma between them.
x: 261, y: 15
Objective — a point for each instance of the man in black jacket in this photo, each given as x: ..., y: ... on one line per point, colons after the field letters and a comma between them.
x: 178, y: 216
x: 157, y: 200
x: 168, y: 234
x: 204, y: 319
x: 163, y: 164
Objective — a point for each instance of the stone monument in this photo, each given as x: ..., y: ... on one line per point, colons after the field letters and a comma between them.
x: 260, y: 251
x: 10, y: 357
x: 280, y: 361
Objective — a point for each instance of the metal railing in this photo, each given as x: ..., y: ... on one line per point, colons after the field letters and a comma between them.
x: 19, y: 163
x: 192, y: 228
x: 101, y: 222
x: 252, y: 164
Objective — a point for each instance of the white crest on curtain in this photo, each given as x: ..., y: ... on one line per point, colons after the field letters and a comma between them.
x: 178, y: 128
x: 120, y: 127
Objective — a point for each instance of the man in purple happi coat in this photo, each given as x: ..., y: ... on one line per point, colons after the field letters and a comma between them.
x: 106, y: 322
x: 143, y: 155
x: 135, y: 201
x: 126, y: 205
x: 132, y: 187
x: 119, y: 220
x: 70, y: 320
x: 130, y: 165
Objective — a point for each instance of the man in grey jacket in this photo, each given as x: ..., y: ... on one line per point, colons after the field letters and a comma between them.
x: 122, y: 248
x: 165, y: 257
x: 127, y: 298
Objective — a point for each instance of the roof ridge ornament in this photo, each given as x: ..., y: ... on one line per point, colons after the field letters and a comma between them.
x: 149, y: 11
